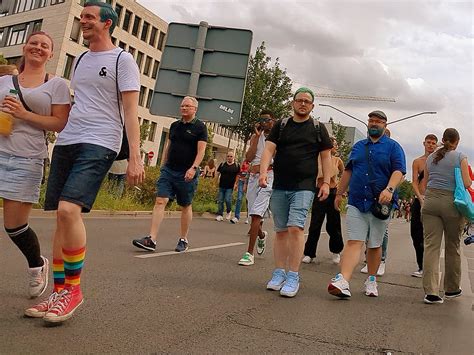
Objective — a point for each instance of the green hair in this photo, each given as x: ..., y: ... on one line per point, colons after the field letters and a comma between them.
x: 304, y: 90
x: 106, y: 12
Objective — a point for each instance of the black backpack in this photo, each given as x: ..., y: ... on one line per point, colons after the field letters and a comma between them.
x: 124, y: 152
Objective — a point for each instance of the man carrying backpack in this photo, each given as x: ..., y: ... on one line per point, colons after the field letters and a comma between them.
x: 296, y: 143
x: 85, y: 150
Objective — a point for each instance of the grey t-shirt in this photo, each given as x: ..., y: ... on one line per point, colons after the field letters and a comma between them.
x: 441, y: 175
x: 26, y: 140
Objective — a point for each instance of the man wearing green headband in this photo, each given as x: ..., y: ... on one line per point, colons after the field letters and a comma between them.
x: 296, y: 143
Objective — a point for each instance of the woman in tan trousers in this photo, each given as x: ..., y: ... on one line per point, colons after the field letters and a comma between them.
x: 439, y: 215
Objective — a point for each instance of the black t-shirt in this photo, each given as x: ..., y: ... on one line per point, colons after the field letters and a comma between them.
x: 184, y: 138
x: 296, y: 160
x: 228, y: 174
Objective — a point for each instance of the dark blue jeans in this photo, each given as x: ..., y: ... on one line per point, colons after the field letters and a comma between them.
x: 225, y: 195
x: 240, y: 196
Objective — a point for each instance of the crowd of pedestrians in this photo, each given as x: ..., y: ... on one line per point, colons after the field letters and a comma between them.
x: 291, y: 167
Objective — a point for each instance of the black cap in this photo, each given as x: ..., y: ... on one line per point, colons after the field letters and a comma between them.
x: 378, y: 114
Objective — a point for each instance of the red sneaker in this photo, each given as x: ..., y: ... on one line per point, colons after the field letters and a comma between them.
x: 39, y: 310
x: 69, y: 299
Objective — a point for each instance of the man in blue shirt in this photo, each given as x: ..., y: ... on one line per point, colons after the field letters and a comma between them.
x: 366, y: 187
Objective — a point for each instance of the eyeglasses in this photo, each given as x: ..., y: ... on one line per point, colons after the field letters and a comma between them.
x: 303, y: 101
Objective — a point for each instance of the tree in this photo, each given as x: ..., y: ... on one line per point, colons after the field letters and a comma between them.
x: 208, y: 151
x: 339, y: 133
x: 267, y: 87
x: 405, y: 191
x: 3, y: 60
x: 144, y: 130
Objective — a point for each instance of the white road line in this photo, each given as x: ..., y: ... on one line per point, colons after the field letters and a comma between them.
x: 189, y: 250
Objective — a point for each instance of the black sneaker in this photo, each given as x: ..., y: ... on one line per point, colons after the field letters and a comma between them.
x: 182, y: 245
x: 453, y: 294
x: 145, y: 243
x: 430, y: 299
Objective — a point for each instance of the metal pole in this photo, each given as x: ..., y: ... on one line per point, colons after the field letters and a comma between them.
x: 197, y: 60
x: 418, y: 114
x: 365, y: 124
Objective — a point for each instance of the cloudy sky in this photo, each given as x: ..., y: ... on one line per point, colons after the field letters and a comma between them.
x: 418, y: 52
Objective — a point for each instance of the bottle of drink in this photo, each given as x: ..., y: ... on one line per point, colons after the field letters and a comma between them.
x: 6, y: 119
x: 469, y: 240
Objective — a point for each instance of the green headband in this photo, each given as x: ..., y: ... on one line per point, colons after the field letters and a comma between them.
x: 304, y: 90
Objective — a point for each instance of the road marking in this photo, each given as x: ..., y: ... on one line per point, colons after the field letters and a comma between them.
x: 165, y: 253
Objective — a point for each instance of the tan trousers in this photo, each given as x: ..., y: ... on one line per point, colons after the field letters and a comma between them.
x: 439, y: 215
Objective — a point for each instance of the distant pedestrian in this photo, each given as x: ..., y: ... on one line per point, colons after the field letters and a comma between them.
x: 227, y: 172
x: 325, y: 209
x: 416, y: 226
x: 179, y: 173
x: 210, y: 169
x: 242, y: 180
x: 440, y: 217
x: 258, y: 198
x: 296, y: 142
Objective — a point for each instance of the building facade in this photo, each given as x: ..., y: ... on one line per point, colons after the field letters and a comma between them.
x: 139, y: 31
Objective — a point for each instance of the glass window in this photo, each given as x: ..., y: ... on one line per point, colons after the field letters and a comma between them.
x: 149, y: 97
x: 68, y: 67
x: 76, y: 30
x: 136, y: 26
x: 145, y: 30
x: 161, y: 41
x: 154, y: 33
x: 17, y: 35
x: 37, y: 25
x: 55, y: 2
x: 27, y: 5
x: 139, y: 60
x: 147, y: 67
x: 122, y: 45
x: 141, y: 97
x: 131, y: 50
x: 126, y: 20
x: 146, y: 123
x: 114, y: 40
x: 154, y: 73
x: 152, y: 132
x: 118, y: 10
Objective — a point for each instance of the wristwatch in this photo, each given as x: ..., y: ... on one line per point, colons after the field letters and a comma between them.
x: 390, y: 189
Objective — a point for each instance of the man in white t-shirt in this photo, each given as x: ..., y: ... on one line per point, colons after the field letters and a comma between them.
x: 86, y: 149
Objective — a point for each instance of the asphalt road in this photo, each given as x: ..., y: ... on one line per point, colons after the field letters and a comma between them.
x: 203, y: 302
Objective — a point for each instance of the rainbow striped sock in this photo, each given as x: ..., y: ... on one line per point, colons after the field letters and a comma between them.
x: 73, y: 263
x: 58, y: 274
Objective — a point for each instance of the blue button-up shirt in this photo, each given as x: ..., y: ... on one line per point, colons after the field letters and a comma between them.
x: 386, y: 156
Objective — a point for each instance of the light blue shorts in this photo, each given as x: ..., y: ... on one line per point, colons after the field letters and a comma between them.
x: 20, y: 178
x: 365, y: 227
x: 290, y: 208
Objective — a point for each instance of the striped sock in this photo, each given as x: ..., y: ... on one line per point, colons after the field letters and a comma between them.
x: 58, y: 274
x: 73, y: 262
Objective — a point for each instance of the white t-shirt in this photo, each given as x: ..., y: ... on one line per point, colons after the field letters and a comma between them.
x: 94, y: 117
x: 26, y: 140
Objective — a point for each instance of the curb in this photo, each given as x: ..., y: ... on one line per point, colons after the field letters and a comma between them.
x: 111, y: 213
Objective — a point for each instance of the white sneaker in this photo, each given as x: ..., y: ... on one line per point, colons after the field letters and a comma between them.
x: 365, y: 269
x: 247, y: 220
x: 247, y: 259
x: 234, y: 220
x: 219, y: 218
x: 261, y: 243
x: 371, y: 287
x: 381, y: 269
x: 336, y: 258
x: 227, y: 216
x: 38, y: 279
x: 307, y: 259
x: 339, y: 287
x: 418, y: 273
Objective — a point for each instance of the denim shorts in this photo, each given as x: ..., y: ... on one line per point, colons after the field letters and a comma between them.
x: 77, y: 171
x: 171, y: 184
x: 20, y: 178
x: 290, y: 208
x: 365, y: 227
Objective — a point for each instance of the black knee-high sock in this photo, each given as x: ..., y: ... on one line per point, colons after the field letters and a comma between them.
x: 26, y: 240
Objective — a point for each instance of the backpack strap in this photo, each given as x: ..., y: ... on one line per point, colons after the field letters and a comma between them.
x: 117, y: 87
x: 78, y: 60
x: 317, y: 127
